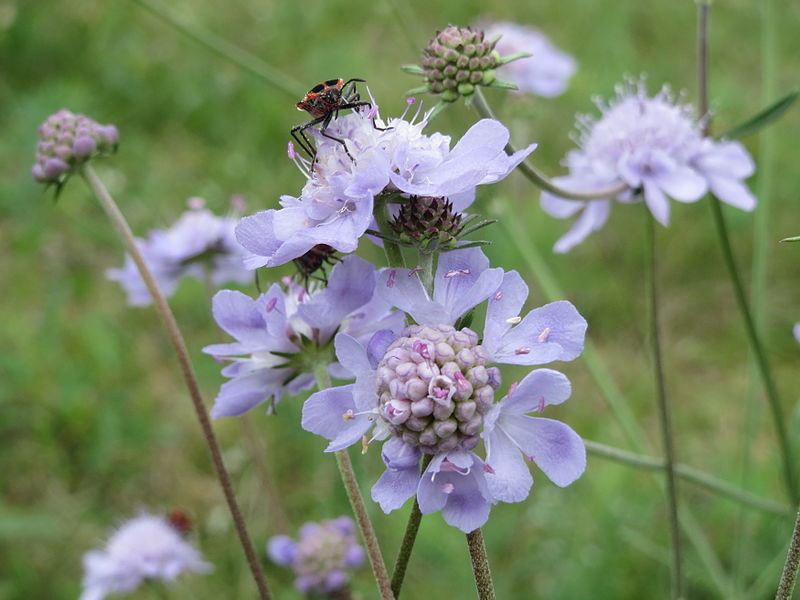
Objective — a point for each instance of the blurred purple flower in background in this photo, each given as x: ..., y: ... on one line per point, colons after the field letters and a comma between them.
x: 200, y: 244
x: 656, y: 147
x: 145, y: 547
x: 797, y: 331
x: 545, y: 73
x: 337, y: 202
x: 282, y: 334
x: 431, y: 389
x: 323, y: 556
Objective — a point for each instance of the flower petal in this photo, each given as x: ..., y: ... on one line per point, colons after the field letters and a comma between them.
x: 503, y: 305
x: 594, y: 216
x: 684, y: 184
x: 332, y: 414
x: 508, y: 478
x: 732, y: 191
x: 244, y: 393
x: 257, y: 234
x: 656, y: 201
x: 540, y: 388
x: 463, y: 280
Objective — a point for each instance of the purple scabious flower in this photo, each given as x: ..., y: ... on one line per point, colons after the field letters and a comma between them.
x: 655, y: 147
x: 200, y: 244
x: 797, y: 331
x: 145, y: 547
x: 431, y: 389
x: 336, y: 204
x: 322, y: 557
x: 282, y: 334
x: 545, y: 73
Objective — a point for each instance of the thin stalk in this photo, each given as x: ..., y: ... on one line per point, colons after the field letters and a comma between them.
x: 690, y: 474
x: 790, y: 568
x: 357, y: 504
x: 665, y: 417
x: 394, y: 256
x: 426, y: 271
x: 480, y: 565
x: 118, y: 220
x: 409, y: 537
x: 537, y: 177
x: 249, y: 62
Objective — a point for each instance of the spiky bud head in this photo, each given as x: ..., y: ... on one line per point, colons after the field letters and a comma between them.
x: 428, y: 223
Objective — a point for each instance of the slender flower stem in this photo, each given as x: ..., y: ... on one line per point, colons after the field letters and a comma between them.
x: 665, y: 418
x: 117, y: 218
x: 480, y: 565
x: 357, y: 504
x: 789, y: 576
x: 247, y: 61
x: 537, y: 177
x: 394, y: 257
x: 410, y: 536
x: 750, y: 327
x: 426, y: 271
x: 690, y: 474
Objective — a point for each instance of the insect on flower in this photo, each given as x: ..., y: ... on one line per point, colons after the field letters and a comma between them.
x: 315, y: 260
x: 323, y: 102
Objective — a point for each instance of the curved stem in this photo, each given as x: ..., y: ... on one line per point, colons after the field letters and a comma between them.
x: 537, y: 177
x: 426, y: 271
x: 665, y: 417
x: 409, y: 537
x: 480, y: 565
x: 117, y: 218
x: 357, y: 503
x: 789, y: 575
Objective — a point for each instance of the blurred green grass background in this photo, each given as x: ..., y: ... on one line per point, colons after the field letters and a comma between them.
x: 94, y: 420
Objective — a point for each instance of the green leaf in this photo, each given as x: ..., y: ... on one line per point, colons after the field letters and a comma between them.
x: 792, y: 239
x: 413, y: 69
x: 766, y: 116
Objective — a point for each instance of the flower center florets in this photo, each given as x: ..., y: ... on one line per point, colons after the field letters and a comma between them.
x: 434, y: 387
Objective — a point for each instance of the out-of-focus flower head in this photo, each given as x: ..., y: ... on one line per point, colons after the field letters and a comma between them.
x: 546, y: 72
x: 282, y: 335
x: 655, y: 147
x: 145, y: 547
x: 323, y: 556
x: 431, y: 389
x: 797, y: 331
x: 67, y: 141
x: 457, y: 60
x: 336, y: 205
x: 200, y: 244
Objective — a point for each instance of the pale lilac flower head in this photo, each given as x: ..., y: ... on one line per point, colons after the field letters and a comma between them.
x: 653, y: 146
x: 797, y: 331
x: 145, y: 547
x: 200, y: 244
x: 323, y: 556
x: 66, y: 141
x: 432, y: 390
x: 280, y: 334
x: 545, y: 73
x: 336, y: 204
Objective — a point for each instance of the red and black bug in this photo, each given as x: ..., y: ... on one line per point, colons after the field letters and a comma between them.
x: 315, y: 260
x: 323, y: 102
x: 180, y: 521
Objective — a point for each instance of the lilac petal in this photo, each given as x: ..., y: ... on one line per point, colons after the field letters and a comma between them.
x: 332, y: 414
x: 540, y: 388
x: 354, y: 556
x: 282, y: 550
x: 553, y: 446
x: 396, y: 454
x: 557, y: 207
x: 509, y: 478
x: 506, y: 303
x: 684, y: 184
x: 352, y: 354
x: 463, y: 280
x: 503, y: 164
x: 244, y: 393
x: 594, y: 216
x: 732, y: 191
x: 394, y: 487
x: 239, y: 316
x: 403, y: 289
x: 796, y: 331
x: 656, y: 201
x: 727, y: 159
x: 257, y: 234
x: 462, y: 200
x: 378, y: 344
x: 555, y: 331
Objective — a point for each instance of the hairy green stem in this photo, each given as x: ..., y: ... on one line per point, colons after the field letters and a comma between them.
x: 357, y: 503
x: 665, y: 416
x: 249, y: 62
x: 394, y: 256
x: 409, y: 537
x: 534, y: 175
x: 790, y: 568
x: 690, y: 474
x: 118, y: 220
x: 480, y: 565
x: 426, y: 270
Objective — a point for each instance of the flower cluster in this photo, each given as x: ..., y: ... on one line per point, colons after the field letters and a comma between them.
x: 655, y: 147
x: 66, y: 141
x: 200, y: 244
x: 431, y: 389
x: 282, y: 335
x: 546, y: 72
x: 145, y: 547
x: 337, y: 203
x: 321, y: 558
